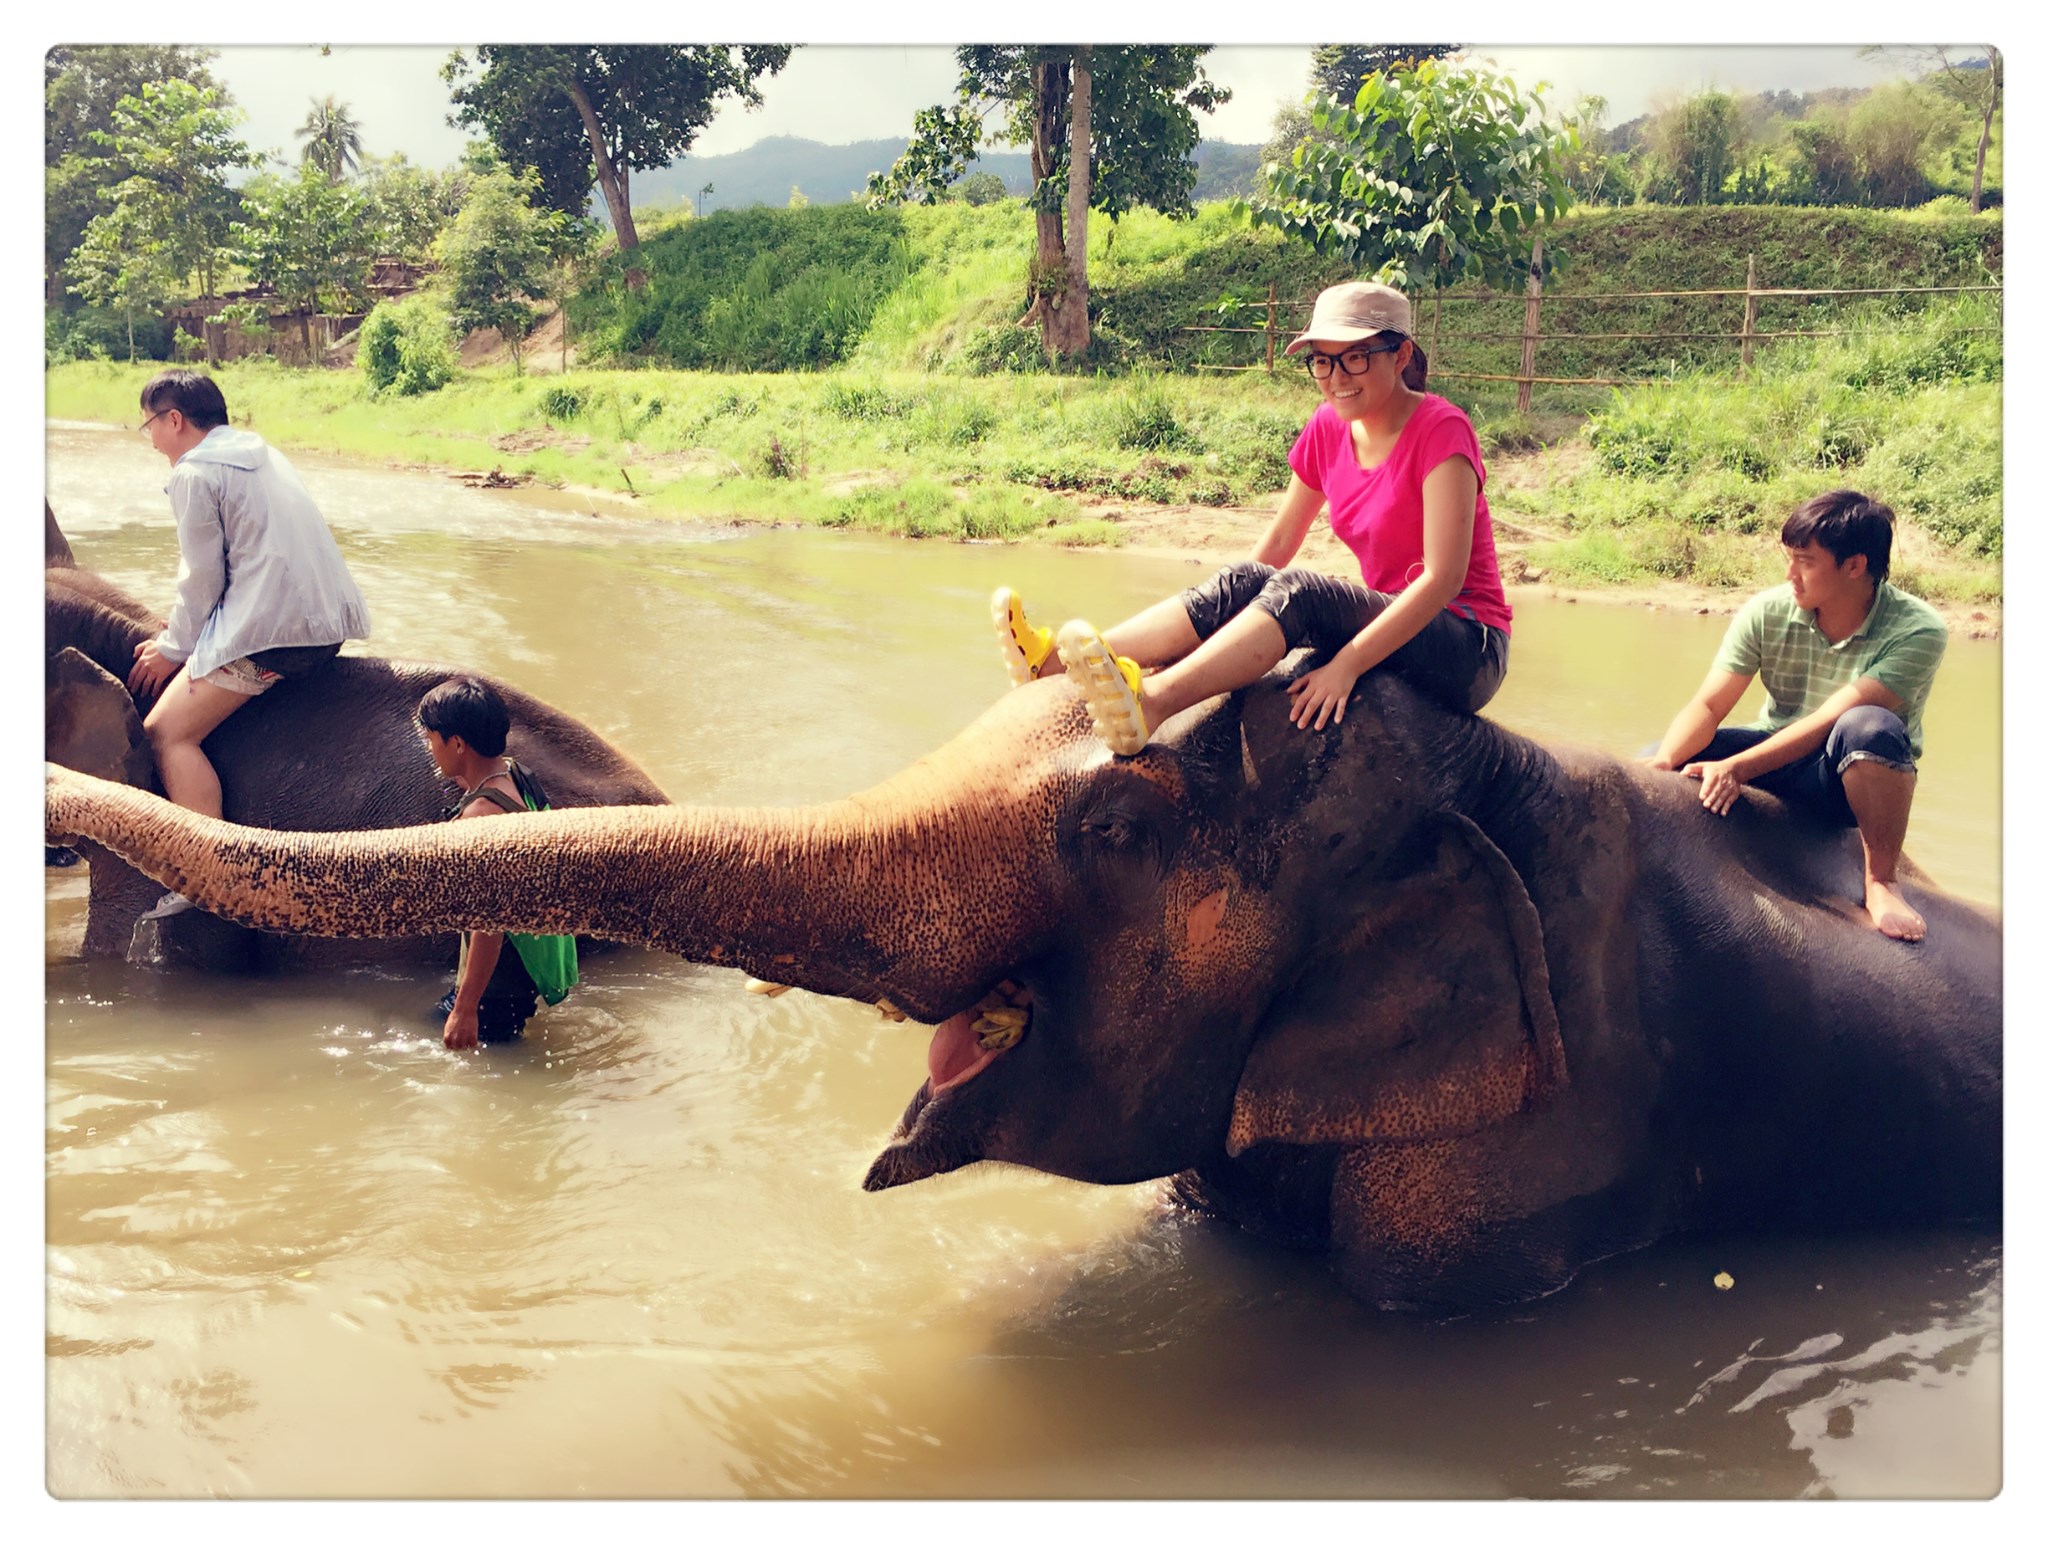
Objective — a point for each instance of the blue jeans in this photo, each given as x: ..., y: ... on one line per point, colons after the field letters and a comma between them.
x: 1814, y: 782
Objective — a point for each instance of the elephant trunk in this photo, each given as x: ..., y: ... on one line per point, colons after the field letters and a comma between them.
x: 865, y: 898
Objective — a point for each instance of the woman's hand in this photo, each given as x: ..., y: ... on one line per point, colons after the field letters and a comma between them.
x: 1324, y: 691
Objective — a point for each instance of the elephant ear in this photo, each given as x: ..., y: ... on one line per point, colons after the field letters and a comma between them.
x: 90, y: 724
x: 1431, y: 1018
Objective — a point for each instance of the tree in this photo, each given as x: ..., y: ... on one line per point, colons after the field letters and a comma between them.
x: 81, y: 86
x: 1978, y: 86
x: 578, y: 115
x: 1431, y: 175
x: 311, y: 240
x: 1823, y: 166
x: 1589, y: 168
x: 979, y: 188
x: 1110, y: 127
x: 496, y: 254
x: 1339, y: 69
x: 409, y: 205
x: 119, y: 265
x: 334, y: 141
x: 1892, y: 133
x: 1693, y: 145
x: 172, y: 208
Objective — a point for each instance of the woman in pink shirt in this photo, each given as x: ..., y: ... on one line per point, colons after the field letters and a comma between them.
x: 1399, y: 471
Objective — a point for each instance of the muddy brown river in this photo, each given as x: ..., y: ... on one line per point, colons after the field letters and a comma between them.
x: 296, y: 1249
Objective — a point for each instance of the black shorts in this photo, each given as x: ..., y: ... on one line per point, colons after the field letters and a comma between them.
x: 292, y: 660
x: 498, y: 1018
x: 1457, y: 661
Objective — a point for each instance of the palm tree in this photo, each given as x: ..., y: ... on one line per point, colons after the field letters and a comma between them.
x: 334, y: 140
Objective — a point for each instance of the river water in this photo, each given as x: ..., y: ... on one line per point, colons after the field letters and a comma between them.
x: 295, y: 1249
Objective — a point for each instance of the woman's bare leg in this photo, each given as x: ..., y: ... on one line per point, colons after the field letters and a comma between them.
x: 1235, y: 655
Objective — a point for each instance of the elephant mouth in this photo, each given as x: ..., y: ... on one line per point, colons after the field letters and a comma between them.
x: 964, y: 1045
x: 962, y: 1049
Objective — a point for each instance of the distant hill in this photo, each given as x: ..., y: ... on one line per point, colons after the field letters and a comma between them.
x: 765, y: 172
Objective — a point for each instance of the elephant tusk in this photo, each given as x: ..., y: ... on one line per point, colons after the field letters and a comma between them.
x: 766, y: 989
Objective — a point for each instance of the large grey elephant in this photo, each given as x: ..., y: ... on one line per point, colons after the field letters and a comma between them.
x: 1465, y: 1011
x: 334, y: 752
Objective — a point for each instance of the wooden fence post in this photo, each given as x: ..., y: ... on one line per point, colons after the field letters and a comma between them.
x: 1270, y: 303
x: 1532, y: 311
x: 1748, y: 312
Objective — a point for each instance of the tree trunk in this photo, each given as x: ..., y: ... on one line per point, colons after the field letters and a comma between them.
x: 1066, y: 321
x: 1997, y: 69
x: 611, y: 182
x: 1049, y: 81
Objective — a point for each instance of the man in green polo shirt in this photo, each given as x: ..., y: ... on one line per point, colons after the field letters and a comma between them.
x: 1847, y: 661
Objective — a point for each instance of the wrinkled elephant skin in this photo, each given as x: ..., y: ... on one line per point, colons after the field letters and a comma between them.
x: 1464, y: 1011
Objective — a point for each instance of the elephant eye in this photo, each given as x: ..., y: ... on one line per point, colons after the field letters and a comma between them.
x: 1116, y: 833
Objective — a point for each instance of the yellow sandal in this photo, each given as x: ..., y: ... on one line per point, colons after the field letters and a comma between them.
x: 1109, y: 686
x: 1024, y: 649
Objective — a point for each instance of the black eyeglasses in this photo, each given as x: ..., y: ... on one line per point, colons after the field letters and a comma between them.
x: 1355, y: 361
x: 160, y: 412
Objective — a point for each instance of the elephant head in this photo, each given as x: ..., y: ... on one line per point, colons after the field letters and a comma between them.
x: 1248, y: 935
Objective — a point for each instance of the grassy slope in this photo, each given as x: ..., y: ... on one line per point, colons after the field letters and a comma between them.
x: 921, y: 428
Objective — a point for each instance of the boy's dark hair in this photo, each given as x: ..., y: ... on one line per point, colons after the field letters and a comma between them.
x: 192, y: 394
x: 1845, y: 523
x: 466, y: 706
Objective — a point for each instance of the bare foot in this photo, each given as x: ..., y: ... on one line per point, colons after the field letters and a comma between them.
x: 1888, y: 910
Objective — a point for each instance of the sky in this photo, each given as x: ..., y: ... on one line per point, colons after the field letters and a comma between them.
x: 840, y: 93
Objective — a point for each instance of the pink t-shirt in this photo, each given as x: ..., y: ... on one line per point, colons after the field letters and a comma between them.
x: 1378, y: 514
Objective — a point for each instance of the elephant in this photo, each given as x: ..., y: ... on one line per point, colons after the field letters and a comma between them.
x: 1462, y: 1011
x: 334, y: 752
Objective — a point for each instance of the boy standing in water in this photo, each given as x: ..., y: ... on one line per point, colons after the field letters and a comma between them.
x: 263, y: 594
x: 463, y: 724
x: 1847, y: 662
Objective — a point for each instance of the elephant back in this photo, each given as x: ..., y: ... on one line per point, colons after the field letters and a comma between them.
x: 338, y: 750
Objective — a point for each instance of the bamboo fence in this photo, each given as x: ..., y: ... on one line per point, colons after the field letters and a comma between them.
x: 1746, y: 336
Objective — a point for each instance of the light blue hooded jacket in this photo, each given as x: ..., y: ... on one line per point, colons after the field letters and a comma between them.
x: 258, y: 568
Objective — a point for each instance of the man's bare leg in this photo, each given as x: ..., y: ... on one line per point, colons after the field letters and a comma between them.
x: 1882, y: 799
x: 186, y: 713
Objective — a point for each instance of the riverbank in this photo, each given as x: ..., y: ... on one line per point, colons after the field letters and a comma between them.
x: 1188, y: 466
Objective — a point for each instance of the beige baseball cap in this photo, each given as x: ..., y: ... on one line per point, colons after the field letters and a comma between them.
x: 1346, y: 313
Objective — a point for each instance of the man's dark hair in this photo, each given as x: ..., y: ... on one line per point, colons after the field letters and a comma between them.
x: 1845, y: 523
x: 466, y: 706
x: 192, y: 394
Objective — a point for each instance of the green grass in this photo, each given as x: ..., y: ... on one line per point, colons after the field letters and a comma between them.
x: 940, y: 417
x: 1692, y: 480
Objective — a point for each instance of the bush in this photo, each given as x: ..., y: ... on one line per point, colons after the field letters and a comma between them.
x: 1145, y: 419
x: 94, y: 332
x: 558, y: 403
x: 1008, y: 347
x: 407, y: 347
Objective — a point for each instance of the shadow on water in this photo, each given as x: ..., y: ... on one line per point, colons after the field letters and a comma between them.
x: 1186, y: 1360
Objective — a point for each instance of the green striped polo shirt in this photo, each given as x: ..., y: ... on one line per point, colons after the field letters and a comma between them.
x: 1899, y: 645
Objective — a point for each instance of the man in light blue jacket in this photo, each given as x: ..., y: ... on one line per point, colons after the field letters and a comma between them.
x: 263, y: 594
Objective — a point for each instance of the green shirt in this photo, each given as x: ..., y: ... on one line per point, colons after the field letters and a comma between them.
x: 1899, y: 644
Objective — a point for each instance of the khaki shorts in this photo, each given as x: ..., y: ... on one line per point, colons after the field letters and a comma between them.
x: 256, y: 674
x: 243, y: 676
